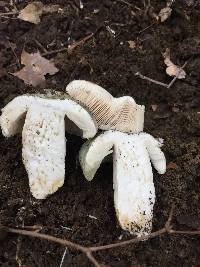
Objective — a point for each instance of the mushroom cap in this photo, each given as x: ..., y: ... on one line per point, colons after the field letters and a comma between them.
x: 14, y: 113
x: 121, y: 114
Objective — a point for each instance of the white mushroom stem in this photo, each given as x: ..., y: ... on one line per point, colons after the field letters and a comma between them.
x: 134, y: 192
x: 122, y: 114
x: 43, y: 137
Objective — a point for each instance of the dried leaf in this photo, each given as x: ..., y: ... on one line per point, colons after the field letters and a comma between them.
x: 172, y: 166
x: 132, y: 44
x: 172, y: 69
x: 36, y: 67
x: 32, y: 12
x: 175, y: 109
x: 154, y: 107
x: 165, y: 13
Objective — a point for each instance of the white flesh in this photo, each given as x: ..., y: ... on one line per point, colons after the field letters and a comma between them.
x: 44, y: 150
x: 134, y: 193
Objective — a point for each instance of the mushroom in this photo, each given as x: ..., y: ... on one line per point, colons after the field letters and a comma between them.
x: 134, y: 192
x: 42, y: 118
x: 121, y: 114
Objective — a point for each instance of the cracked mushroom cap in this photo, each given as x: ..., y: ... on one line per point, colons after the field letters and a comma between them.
x: 121, y: 114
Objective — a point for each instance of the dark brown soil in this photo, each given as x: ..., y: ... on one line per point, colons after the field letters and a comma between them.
x: 108, y: 61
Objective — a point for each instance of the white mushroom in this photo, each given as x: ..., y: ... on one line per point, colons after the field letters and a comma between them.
x: 134, y: 192
x: 43, y: 136
x: 121, y: 114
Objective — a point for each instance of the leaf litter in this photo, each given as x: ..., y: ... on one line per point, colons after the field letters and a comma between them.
x: 35, y: 69
x: 172, y: 69
x: 33, y: 11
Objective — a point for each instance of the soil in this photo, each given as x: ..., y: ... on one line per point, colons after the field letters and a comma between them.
x: 172, y: 114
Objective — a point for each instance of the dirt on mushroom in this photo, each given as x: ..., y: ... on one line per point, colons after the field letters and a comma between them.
x: 108, y: 61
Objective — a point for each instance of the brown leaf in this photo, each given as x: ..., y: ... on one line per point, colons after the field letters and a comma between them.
x: 36, y: 67
x: 132, y: 44
x: 172, y: 69
x: 154, y: 107
x: 164, y: 13
x: 172, y: 165
x: 33, y: 11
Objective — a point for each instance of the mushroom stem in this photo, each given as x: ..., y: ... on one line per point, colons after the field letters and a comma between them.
x: 44, y: 149
x: 43, y: 136
x: 134, y: 192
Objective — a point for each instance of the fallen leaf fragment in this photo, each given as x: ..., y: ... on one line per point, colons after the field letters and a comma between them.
x: 165, y: 13
x: 172, y: 69
x: 172, y: 166
x: 154, y: 107
x: 132, y: 44
x: 33, y: 11
x: 36, y: 67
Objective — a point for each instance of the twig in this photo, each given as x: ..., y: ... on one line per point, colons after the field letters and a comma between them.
x: 9, y: 13
x: 41, y: 46
x: 150, y: 80
x: 80, y: 42
x: 160, y: 83
x: 70, y: 48
x: 167, y: 229
x: 17, y: 258
x: 55, y: 51
x: 125, y: 2
x: 147, y: 27
x: 63, y: 258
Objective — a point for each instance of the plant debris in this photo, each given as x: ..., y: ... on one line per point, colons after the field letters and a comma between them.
x: 172, y: 166
x: 132, y: 44
x: 33, y: 11
x: 36, y: 67
x: 165, y: 13
x: 172, y: 69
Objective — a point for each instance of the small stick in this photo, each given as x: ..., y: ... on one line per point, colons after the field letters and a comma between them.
x: 167, y: 229
x: 41, y: 46
x: 146, y: 28
x: 9, y: 13
x: 160, y: 83
x: 150, y: 80
x: 55, y: 51
x: 125, y: 2
x: 70, y: 48
x: 80, y: 42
